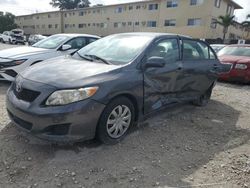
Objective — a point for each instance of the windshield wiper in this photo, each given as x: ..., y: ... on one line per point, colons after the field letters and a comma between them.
x: 98, y: 58
x: 85, y: 57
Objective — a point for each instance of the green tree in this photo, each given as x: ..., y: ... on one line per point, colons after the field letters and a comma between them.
x: 69, y: 4
x: 7, y: 22
x: 246, y: 26
x: 225, y: 22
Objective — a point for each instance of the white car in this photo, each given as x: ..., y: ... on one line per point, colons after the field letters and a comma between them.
x: 217, y: 47
x: 6, y: 37
x: 15, y: 60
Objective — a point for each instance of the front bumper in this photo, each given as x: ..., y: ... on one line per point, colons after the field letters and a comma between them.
x: 236, y: 75
x: 73, y: 122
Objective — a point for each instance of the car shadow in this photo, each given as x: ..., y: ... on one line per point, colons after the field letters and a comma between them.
x: 166, y: 148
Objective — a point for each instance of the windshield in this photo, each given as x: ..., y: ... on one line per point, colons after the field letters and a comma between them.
x: 117, y: 49
x: 235, y: 50
x: 51, y: 42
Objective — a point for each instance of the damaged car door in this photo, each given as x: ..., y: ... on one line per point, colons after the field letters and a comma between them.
x: 162, y: 70
x: 200, y: 69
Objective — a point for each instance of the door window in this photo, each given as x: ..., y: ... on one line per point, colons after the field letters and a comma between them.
x: 193, y: 50
x: 167, y: 49
x: 77, y: 43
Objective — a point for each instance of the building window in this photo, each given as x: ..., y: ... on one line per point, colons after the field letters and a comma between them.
x: 49, y: 16
x: 130, y: 7
x: 49, y: 26
x: 137, y: 23
x: 151, y: 24
x: 171, y: 22
x: 213, y: 23
x: 129, y: 23
x: 117, y: 25
x: 172, y: 3
x: 138, y: 7
x: 194, y: 21
x: 153, y: 7
x: 56, y: 26
x: 229, y: 9
x: 196, y: 2
x: 118, y: 10
x: 217, y: 3
x: 82, y: 25
x: 80, y: 13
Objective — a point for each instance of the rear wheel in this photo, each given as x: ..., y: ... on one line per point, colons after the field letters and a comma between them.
x: 204, y: 99
x: 116, y: 120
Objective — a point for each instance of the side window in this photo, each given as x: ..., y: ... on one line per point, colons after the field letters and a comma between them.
x: 211, y: 54
x: 193, y: 50
x: 92, y: 40
x: 167, y: 49
x: 77, y: 43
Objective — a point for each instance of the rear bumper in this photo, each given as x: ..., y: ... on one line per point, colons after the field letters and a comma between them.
x: 68, y: 123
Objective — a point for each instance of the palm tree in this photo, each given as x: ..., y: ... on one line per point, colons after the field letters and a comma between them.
x: 225, y: 22
x: 246, y: 25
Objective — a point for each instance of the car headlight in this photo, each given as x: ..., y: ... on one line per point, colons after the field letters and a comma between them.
x: 63, y: 97
x: 19, y: 62
x: 241, y: 66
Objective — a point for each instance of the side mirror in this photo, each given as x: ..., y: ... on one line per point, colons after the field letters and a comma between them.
x: 66, y: 47
x: 156, y: 62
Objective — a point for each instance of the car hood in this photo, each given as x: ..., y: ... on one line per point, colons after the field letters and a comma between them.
x: 20, y: 52
x: 234, y: 59
x: 68, y: 72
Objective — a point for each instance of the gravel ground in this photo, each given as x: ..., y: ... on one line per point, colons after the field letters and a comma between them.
x: 184, y: 146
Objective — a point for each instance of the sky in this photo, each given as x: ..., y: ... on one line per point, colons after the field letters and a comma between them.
x: 22, y: 7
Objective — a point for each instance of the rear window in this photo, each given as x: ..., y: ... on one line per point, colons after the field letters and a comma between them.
x: 235, y: 51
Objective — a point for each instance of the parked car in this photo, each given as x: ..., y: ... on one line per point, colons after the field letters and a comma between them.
x: 35, y: 38
x: 7, y: 37
x: 15, y: 60
x: 18, y: 36
x: 238, y: 56
x: 217, y: 47
x: 108, y: 85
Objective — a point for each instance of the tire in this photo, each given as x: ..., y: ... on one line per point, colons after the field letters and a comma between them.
x: 113, y: 132
x: 1, y: 40
x: 204, y: 99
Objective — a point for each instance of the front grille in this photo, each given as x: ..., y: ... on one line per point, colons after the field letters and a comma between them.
x: 22, y: 123
x: 25, y: 94
x: 11, y: 73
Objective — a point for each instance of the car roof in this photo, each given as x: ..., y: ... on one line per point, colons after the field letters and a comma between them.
x: 151, y: 34
x: 217, y: 45
x: 240, y: 45
x: 77, y: 35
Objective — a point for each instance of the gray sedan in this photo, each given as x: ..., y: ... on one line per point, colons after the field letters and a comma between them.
x: 110, y: 84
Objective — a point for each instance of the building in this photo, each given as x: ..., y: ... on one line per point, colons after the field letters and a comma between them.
x: 189, y: 17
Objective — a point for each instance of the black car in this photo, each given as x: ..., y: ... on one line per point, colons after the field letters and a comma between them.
x: 107, y: 86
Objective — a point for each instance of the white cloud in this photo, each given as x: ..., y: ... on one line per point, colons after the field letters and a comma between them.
x: 21, y: 7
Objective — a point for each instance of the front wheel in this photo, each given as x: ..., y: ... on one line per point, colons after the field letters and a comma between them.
x: 204, y: 98
x: 116, y: 120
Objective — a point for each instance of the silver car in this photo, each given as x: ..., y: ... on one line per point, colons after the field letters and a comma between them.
x: 15, y: 60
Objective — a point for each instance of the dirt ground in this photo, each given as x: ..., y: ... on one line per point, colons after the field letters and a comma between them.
x: 184, y: 146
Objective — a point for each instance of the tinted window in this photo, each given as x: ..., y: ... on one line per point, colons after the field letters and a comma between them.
x: 167, y: 49
x: 92, y: 40
x: 77, y: 43
x: 195, y: 50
